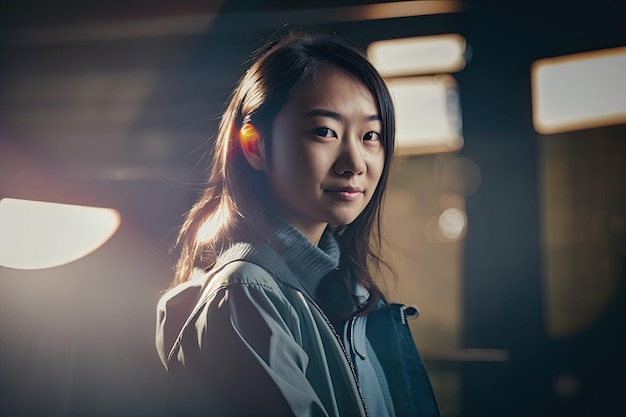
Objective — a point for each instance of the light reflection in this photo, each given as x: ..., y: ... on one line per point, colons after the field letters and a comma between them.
x: 38, y: 235
x: 579, y: 91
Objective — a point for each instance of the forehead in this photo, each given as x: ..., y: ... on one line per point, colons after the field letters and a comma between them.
x: 337, y: 90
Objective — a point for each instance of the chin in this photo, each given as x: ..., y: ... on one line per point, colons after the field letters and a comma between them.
x: 342, y: 221
x: 342, y: 217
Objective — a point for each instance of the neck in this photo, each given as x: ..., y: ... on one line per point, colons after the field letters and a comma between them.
x: 312, y: 232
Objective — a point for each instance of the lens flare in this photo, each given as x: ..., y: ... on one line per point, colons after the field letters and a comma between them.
x: 248, y: 134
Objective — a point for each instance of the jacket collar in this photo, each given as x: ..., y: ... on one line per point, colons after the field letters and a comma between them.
x: 290, y: 257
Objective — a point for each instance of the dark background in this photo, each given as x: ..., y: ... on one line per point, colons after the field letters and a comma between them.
x: 115, y: 103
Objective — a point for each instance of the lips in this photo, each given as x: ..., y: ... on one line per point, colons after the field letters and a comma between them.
x: 345, y: 193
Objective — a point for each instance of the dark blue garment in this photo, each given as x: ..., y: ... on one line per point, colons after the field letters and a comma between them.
x: 407, y: 379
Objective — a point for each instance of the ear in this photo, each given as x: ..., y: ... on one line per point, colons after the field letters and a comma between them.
x: 252, y: 146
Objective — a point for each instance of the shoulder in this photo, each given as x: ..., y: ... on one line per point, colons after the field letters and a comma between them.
x: 234, y: 273
x: 243, y: 273
x: 243, y: 286
x: 182, y: 294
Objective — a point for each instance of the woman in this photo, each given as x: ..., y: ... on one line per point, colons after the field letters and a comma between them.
x: 275, y: 254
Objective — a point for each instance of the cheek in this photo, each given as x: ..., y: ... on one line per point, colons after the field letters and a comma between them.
x: 288, y: 169
x: 282, y: 161
x: 301, y: 161
x: 377, y: 167
x: 288, y: 172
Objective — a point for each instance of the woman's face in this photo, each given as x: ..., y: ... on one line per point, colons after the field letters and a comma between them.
x: 327, y: 154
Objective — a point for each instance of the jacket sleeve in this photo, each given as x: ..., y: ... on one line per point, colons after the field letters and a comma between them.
x: 242, y: 354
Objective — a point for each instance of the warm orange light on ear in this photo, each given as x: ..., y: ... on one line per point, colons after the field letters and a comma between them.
x: 250, y: 138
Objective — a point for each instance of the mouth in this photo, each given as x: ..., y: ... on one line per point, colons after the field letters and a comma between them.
x: 346, y: 193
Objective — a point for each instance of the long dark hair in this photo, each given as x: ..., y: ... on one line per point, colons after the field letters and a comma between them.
x: 235, y: 201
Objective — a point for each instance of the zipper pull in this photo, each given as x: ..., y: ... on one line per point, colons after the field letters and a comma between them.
x: 408, y: 313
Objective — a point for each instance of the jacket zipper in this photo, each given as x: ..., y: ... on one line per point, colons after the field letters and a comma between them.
x: 345, y: 353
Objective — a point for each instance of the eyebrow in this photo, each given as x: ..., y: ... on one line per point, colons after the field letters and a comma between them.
x: 337, y: 116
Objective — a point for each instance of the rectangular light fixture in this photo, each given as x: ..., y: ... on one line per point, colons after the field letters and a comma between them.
x: 428, y: 118
x: 579, y: 91
x: 418, y: 55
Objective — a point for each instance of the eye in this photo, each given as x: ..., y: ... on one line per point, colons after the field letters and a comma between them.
x: 325, y: 132
x: 373, y: 135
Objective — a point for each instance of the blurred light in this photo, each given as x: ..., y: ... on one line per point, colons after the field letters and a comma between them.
x: 457, y: 173
x: 395, y: 9
x: 62, y: 109
x: 114, y: 30
x: 428, y: 117
x: 37, y: 235
x: 452, y: 200
x: 467, y: 355
x: 579, y: 91
x: 566, y: 385
x: 418, y: 55
x: 201, y: 23
x: 452, y: 224
x: 155, y: 145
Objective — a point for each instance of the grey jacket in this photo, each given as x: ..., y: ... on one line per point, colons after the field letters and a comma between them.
x: 247, y: 339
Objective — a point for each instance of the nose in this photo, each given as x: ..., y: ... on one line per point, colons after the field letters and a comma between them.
x: 351, y: 159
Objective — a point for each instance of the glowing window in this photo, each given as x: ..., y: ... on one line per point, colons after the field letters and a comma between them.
x: 418, y: 55
x: 427, y: 114
x: 579, y: 91
x: 37, y: 235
